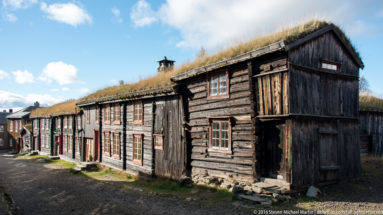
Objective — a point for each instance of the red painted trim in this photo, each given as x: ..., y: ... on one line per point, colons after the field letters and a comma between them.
x: 158, y: 136
x: 138, y: 162
x: 208, y: 79
x: 116, y: 156
x: 107, y: 153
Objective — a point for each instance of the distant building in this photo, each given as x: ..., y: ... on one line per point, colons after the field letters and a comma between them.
x: 4, y: 143
x: 15, y: 123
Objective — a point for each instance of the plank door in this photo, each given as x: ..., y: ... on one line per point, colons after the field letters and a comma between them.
x: 96, y: 142
x: 169, y: 160
x: 328, y: 154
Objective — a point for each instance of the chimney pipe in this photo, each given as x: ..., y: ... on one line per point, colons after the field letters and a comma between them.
x: 10, y: 110
x: 165, y: 65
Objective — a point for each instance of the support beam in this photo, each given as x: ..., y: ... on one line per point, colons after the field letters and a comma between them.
x: 123, y: 136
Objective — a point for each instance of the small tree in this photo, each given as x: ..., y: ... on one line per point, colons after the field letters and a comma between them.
x: 202, y: 53
x: 364, y: 85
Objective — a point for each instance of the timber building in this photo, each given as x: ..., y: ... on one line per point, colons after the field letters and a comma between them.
x: 283, y: 106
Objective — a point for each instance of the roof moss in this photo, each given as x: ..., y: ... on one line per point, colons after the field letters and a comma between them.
x: 161, y: 80
x: 64, y: 108
x: 370, y: 103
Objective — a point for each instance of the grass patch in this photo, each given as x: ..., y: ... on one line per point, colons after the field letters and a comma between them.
x: 62, y: 163
x: 369, y: 102
x: 21, y: 154
x: 68, y: 107
x: 36, y: 157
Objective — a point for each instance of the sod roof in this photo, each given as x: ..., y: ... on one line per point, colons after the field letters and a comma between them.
x: 64, y: 108
x: 370, y: 103
x: 162, y: 82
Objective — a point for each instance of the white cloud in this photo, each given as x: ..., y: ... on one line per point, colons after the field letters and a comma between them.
x: 116, y: 13
x: 64, y: 89
x: 218, y: 23
x: 61, y: 72
x: 10, y: 17
x: 84, y: 90
x: 22, y: 77
x: 142, y: 14
x: 12, y: 100
x: 18, y: 4
x: 67, y: 13
x: 3, y: 75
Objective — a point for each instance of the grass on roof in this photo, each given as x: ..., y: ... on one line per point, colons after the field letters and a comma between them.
x: 68, y: 107
x: 369, y: 102
x: 160, y: 80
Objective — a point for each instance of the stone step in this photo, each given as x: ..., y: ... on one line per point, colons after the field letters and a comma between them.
x: 255, y: 199
x: 275, y: 182
x: 54, y: 157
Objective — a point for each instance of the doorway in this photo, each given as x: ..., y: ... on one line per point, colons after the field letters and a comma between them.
x: 272, y: 150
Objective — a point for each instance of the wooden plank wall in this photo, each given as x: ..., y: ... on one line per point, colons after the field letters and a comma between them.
x: 326, y: 106
x: 146, y: 130
x: 169, y: 162
x: 238, y: 106
x: 371, y: 132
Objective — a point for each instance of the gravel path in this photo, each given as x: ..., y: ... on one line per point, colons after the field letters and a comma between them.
x: 37, y: 189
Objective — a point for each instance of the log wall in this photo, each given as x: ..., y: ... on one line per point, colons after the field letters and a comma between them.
x: 371, y: 132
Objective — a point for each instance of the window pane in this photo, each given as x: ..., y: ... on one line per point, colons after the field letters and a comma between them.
x: 222, y: 84
x: 214, y: 85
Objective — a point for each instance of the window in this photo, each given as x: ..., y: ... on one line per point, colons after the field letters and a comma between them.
x: 137, y: 113
x: 116, y: 145
x: 20, y: 124
x: 107, y: 114
x: 88, y: 115
x: 1, y: 128
x: 1, y: 142
x: 10, y: 125
x: 218, y: 85
x: 107, y: 143
x: 65, y: 142
x: 158, y: 141
x: 16, y: 126
x: 137, y: 149
x: 35, y: 123
x: 65, y: 122
x: 47, y: 141
x: 117, y: 114
x: 220, y: 135
x: 57, y: 123
x: 329, y: 66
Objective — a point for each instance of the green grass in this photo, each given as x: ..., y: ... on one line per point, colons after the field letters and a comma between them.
x: 369, y: 102
x: 62, y: 163
x: 20, y: 154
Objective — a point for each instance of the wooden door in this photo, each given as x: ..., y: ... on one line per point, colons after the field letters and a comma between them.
x: 89, y: 150
x: 96, y: 154
x: 170, y: 158
x: 328, y: 154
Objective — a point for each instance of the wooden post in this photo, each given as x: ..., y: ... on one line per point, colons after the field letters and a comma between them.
x: 100, y: 133
x: 123, y: 136
x: 73, y: 136
x: 38, y: 137
x: 255, y: 162
x: 52, y: 125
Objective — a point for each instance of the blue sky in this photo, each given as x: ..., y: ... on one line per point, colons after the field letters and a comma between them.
x: 54, y: 50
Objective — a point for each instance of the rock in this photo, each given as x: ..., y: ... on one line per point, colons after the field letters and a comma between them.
x: 236, y: 190
x: 247, y: 188
x: 213, y: 180
x: 255, y: 199
x: 266, y: 203
x: 283, y: 197
x: 256, y: 189
x: 188, y: 199
x: 312, y: 192
x: 225, y: 185
x: 185, y: 180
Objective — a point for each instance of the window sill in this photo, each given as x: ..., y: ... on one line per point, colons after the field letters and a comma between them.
x: 137, y: 122
x: 218, y: 97
x: 224, y: 151
x: 116, y: 157
x: 117, y: 123
x: 107, y: 122
x: 107, y: 154
x: 137, y: 162
x: 159, y: 148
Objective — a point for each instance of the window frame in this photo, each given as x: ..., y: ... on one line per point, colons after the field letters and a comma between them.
x: 16, y: 126
x: 88, y: 115
x: 96, y: 114
x: 11, y: 125
x: 114, y: 155
x: 141, y: 136
x: 105, y: 151
x: 138, y: 122
x: 35, y: 122
x: 332, y: 63
x: 220, y: 149
x: 208, y: 80
x: 158, y: 147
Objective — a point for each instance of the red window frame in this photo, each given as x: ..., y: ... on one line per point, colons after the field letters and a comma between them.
x: 135, y: 121
x: 69, y: 143
x: 135, y: 161
x: 214, y: 74
x: 220, y: 149
x: 107, y: 147
x: 161, y: 137
x: 118, y: 154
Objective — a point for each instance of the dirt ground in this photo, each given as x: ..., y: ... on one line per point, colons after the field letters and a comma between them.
x: 38, y: 188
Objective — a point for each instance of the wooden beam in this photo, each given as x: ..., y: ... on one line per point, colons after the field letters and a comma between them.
x: 297, y: 115
x: 270, y: 73
x: 322, y: 71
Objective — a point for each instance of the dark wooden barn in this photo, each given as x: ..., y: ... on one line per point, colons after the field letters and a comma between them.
x: 371, y: 132
x: 287, y: 110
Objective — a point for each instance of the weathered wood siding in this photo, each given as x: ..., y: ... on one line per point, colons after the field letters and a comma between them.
x: 147, y: 140
x: 324, y: 107
x: 170, y: 161
x: 238, y: 107
x: 371, y: 132
x: 45, y: 136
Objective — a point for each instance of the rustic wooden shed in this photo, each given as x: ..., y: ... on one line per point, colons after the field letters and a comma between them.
x: 371, y: 132
x: 286, y: 109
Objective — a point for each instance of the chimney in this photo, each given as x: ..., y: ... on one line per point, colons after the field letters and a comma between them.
x: 37, y: 104
x: 165, y: 65
x: 4, y: 111
x: 10, y: 110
